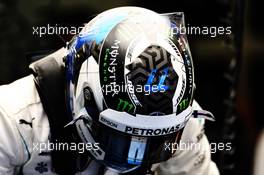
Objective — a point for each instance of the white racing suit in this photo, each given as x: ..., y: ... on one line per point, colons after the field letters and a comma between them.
x: 24, y: 125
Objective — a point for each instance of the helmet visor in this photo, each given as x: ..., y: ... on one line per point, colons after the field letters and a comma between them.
x: 124, y: 152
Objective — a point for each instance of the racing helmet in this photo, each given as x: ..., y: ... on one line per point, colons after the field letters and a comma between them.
x: 130, y: 85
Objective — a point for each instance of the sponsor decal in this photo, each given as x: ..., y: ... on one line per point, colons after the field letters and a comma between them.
x: 110, y: 62
x: 112, y: 73
x: 105, y: 65
x: 109, y: 123
x: 153, y: 132
x: 183, y: 104
x: 182, y: 90
x: 132, y: 95
x: 124, y: 105
x: 41, y: 167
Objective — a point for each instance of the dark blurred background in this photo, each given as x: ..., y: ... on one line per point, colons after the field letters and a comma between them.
x: 228, y: 68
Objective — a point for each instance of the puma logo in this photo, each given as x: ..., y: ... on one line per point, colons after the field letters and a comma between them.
x: 22, y: 121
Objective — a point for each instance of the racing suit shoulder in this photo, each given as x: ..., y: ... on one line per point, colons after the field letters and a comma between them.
x: 193, y: 155
x: 18, y: 95
x: 23, y: 122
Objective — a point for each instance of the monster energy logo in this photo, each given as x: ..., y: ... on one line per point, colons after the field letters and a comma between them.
x: 184, y: 104
x: 124, y: 105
